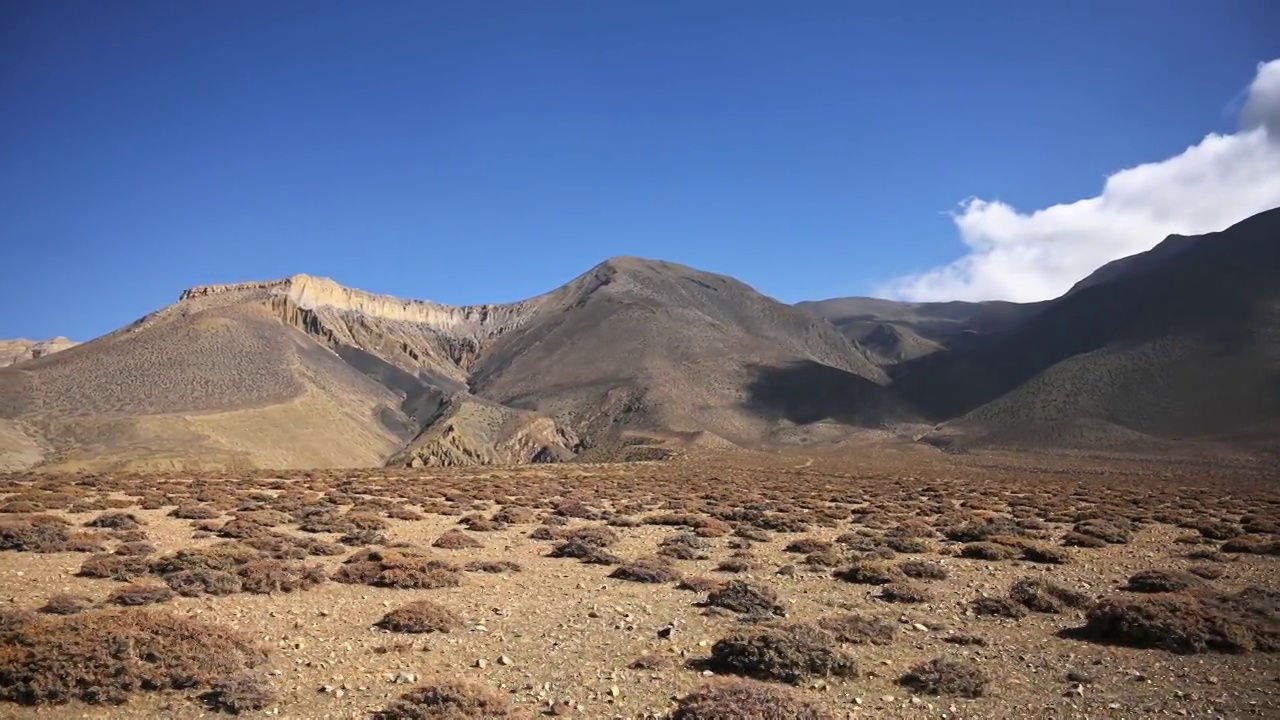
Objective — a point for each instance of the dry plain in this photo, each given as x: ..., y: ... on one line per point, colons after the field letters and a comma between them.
x: 650, y: 590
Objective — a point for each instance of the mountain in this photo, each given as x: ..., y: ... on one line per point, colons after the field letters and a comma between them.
x: 302, y: 372
x: 900, y: 331
x: 1182, y: 341
x: 20, y: 350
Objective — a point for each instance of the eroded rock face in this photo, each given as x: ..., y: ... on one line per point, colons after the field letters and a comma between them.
x: 20, y: 350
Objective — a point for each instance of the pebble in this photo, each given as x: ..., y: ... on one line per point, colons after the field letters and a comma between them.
x: 504, y: 660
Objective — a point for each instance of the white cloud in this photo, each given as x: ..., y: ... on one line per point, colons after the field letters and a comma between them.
x: 1041, y: 254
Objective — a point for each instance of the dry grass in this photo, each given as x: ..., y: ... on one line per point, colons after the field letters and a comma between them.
x: 420, y: 616
x: 449, y: 699
x: 789, y: 654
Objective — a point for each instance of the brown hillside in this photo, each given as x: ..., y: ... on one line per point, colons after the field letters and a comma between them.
x: 1183, y: 341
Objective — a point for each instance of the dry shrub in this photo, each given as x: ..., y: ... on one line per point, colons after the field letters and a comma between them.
x: 227, y: 557
x: 393, y: 569
x: 201, y: 581
x: 685, y: 546
x: 743, y: 597
x: 734, y: 565
x: 988, y: 551
x: 998, y: 607
x: 869, y: 572
x: 574, y: 508
x: 421, y: 616
x: 1045, y: 596
x: 923, y: 570
x: 515, y: 515
x: 905, y: 592
x: 124, y: 568
x: 646, y: 570
x: 43, y: 534
x: 116, y: 521
x: 736, y: 699
x: 598, y: 536
x: 652, y: 661
x: 787, y: 654
x: 267, y: 577
x: 1220, y: 530
x: 493, y: 566
x: 135, y: 548
x: 1188, y: 622
x: 1162, y: 581
x: 66, y: 604
x: 941, y: 676
x: 754, y: 534
x: 456, y: 540
x: 239, y: 693
x: 1041, y: 553
x: 477, y: 523
x: 1253, y: 545
x: 1075, y: 539
x: 140, y: 594
x: 965, y: 640
x: 978, y: 531
x: 100, y: 656
x: 585, y: 551
x: 404, y: 513
x: 448, y: 699
x: 858, y: 629
x: 1115, y: 532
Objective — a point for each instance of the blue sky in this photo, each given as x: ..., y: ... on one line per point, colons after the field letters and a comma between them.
x: 487, y: 151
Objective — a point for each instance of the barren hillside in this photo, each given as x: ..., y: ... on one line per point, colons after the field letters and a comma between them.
x: 1182, y: 341
x: 302, y: 372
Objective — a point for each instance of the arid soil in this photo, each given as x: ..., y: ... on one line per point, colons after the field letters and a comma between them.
x: 604, y: 591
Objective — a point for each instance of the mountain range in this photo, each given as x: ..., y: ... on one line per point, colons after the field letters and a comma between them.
x: 638, y: 358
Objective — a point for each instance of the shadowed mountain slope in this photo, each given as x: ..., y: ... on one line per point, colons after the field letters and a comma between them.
x: 1180, y: 341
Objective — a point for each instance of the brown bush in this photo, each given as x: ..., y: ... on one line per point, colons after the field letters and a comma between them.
x: 115, y: 521
x: 585, y: 551
x: 456, y: 540
x: 905, y: 592
x: 239, y: 693
x: 421, y: 616
x: 646, y: 570
x: 698, y: 583
x: 858, y: 629
x: 1188, y: 623
x: 515, y: 515
x: 201, y: 581
x: 909, y: 545
x: 100, y: 656
x: 734, y: 565
x: 988, y: 551
x: 979, y: 531
x: 998, y: 607
x: 1045, y: 596
x: 1111, y: 531
x: 135, y: 548
x: 869, y: 572
x: 227, y: 557
x: 393, y: 569
x: 448, y: 699
x: 1161, y: 581
x: 966, y: 640
x: 787, y: 654
x: 140, y: 594
x: 66, y: 604
x: 1220, y: 530
x: 43, y: 534
x: 267, y: 577
x: 1253, y: 545
x: 1041, y: 553
x: 125, y: 568
x: 743, y: 597
x: 685, y: 546
x: 734, y: 699
x: 923, y: 570
x: 941, y: 676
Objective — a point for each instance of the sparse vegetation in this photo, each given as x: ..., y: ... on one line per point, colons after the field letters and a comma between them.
x: 787, y: 654
x: 942, y: 676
